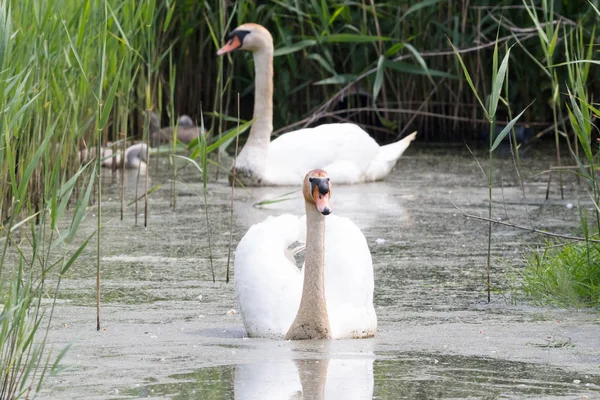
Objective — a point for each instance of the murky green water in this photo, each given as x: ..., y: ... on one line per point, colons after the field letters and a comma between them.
x: 168, y: 330
x: 406, y: 376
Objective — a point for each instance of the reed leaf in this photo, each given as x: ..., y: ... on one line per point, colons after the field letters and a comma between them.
x: 506, y: 130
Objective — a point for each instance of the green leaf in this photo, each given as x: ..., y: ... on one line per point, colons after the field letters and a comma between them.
x: 498, y: 83
x: 576, y: 62
x: 76, y: 254
x: 470, y: 81
x: 531, y: 10
x: 378, y: 77
x: 64, y: 193
x: 580, y: 125
x: 191, y: 161
x: 15, y: 118
x: 335, y: 14
x: 419, y: 59
x: 278, y: 199
x: 110, y: 98
x: 81, y: 209
x: 352, y: 38
x: 233, y: 132
x: 342, y: 79
x: 507, y: 129
x: 33, y: 163
x: 552, y: 44
x: 169, y: 17
x: 224, y: 116
x: 416, y: 69
x: 294, y: 47
x: 417, y: 7
x: 326, y: 66
x: 394, y: 49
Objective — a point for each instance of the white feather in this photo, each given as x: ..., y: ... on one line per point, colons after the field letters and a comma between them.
x: 269, y: 285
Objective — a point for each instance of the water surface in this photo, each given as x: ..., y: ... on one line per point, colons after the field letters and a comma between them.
x: 168, y: 331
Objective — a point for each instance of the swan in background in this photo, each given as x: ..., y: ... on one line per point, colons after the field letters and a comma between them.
x: 345, y: 150
x: 135, y: 156
x: 331, y: 297
x: 186, y: 130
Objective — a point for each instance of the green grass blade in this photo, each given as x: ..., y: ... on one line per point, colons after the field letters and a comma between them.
x: 469, y: 80
x: 416, y: 7
x: 378, y: 78
x: 110, y: 98
x: 352, y: 38
x: 416, y: 69
x: 507, y: 129
x: 81, y: 209
x: 498, y: 83
x: 342, y: 79
x: 232, y: 133
x: 76, y: 254
x: 293, y: 47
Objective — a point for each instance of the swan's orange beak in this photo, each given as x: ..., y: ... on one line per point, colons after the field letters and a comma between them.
x: 321, y: 193
x: 322, y: 202
x: 230, y: 46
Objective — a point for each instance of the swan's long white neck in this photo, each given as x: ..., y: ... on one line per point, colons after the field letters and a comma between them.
x: 312, y: 321
x: 254, y: 154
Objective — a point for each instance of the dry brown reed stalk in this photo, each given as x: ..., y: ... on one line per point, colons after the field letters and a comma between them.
x: 237, y: 139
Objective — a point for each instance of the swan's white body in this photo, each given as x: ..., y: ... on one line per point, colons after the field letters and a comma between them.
x: 345, y: 151
x: 269, y: 285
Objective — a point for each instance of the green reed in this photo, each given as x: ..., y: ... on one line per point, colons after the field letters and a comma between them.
x: 68, y: 71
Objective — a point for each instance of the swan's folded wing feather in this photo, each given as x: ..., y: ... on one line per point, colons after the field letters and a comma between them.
x: 268, y: 285
x: 293, y: 154
x: 349, y: 280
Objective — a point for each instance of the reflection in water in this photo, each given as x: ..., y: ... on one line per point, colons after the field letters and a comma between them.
x: 332, y: 374
x: 333, y: 378
x: 358, y: 376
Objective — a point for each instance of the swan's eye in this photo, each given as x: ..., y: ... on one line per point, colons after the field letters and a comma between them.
x: 310, y: 180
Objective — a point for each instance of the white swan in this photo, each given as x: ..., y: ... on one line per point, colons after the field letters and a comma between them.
x: 331, y: 297
x: 346, y: 151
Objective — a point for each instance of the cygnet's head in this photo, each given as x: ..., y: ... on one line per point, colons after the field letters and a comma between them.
x: 251, y: 37
x: 186, y: 121
x: 317, y: 190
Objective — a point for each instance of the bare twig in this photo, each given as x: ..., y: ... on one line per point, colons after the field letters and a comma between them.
x: 391, y: 110
x: 524, y: 228
x: 514, y: 28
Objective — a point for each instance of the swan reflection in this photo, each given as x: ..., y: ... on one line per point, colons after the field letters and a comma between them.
x: 335, y: 376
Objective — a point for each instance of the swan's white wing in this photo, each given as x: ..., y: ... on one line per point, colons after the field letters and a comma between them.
x: 268, y: 284
x: 345, y: 151
x: 348, y: 280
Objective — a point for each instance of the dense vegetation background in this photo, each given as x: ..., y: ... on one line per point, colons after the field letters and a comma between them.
x: 391, y: 59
